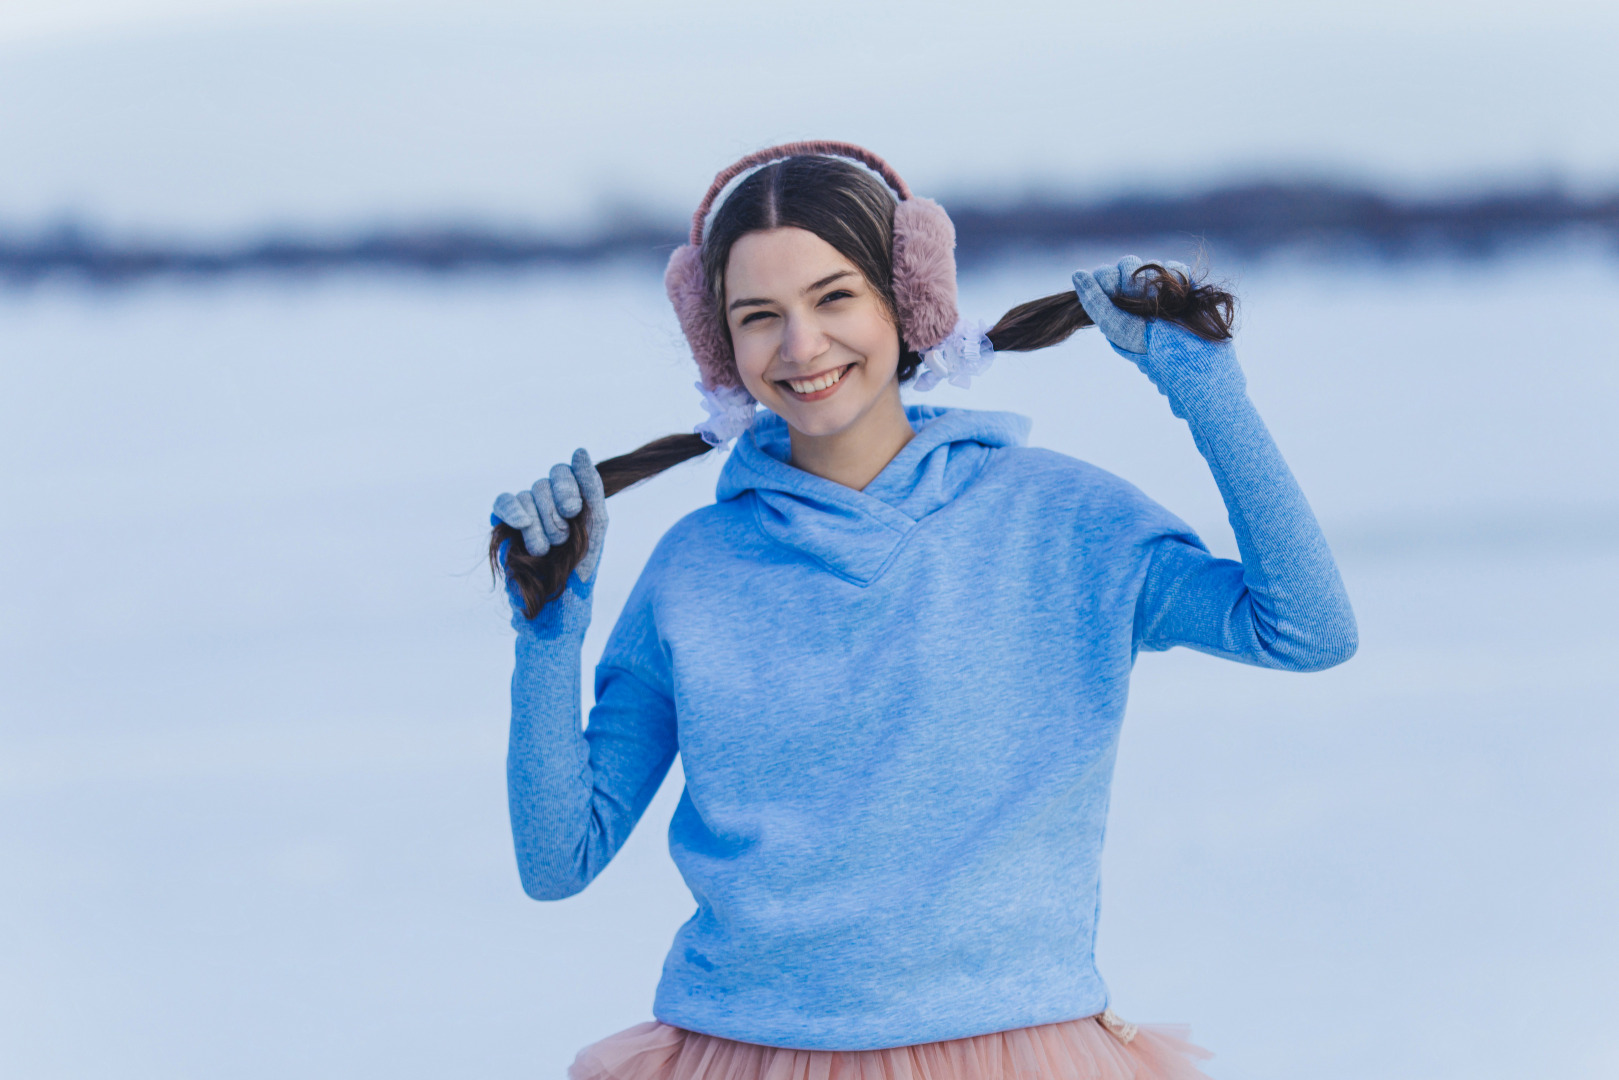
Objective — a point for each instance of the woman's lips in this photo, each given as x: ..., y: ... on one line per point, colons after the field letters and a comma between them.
x: 815, y: 387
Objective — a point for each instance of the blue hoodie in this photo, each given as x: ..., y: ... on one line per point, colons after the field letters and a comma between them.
x: 898, y: 709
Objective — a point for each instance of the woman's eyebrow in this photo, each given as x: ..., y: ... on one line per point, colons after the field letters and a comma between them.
x: 829, y: 279
x: 756, y: 301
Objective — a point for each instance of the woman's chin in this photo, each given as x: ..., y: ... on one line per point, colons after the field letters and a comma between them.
x: 821, y: 419
x: 815, y: 427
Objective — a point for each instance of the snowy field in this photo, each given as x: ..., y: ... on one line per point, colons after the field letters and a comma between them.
x: 253, y: 677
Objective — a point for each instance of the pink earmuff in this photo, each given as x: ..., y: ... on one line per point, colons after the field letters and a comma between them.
x: 924, y: 265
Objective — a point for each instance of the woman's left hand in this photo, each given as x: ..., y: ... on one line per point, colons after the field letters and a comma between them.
x: 1097, y: 288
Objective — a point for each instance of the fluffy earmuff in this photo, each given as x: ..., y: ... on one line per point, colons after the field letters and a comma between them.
x: 694, y: 306
x: 924, y: 260
x: 924, y: 272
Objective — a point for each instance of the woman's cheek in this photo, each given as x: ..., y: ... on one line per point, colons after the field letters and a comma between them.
x: 750, y: 363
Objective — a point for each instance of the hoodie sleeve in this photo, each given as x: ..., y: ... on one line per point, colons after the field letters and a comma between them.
x: 575, y: 795
x: 1284, y: 605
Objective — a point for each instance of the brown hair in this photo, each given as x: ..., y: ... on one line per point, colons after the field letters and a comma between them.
x: 853, y: 211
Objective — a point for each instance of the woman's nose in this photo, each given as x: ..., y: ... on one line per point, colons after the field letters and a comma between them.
x: 802, y: 340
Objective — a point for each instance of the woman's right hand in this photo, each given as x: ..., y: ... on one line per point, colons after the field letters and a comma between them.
x: 542, y: 513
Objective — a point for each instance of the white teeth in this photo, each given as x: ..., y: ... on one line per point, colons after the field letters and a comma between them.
x: 820, y: 382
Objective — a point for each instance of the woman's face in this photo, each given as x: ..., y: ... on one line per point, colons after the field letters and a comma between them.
x: 814, y: 342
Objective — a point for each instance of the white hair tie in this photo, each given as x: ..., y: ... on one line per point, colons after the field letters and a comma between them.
x: 965, y: 353
x: 731, y: 411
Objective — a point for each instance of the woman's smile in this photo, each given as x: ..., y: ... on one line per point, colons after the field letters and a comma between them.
x: 816, y: 387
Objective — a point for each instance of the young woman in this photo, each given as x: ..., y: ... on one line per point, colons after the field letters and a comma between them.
x: 893, y: 654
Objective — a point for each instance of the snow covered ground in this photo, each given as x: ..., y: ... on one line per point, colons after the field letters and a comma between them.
x: 252, y: 676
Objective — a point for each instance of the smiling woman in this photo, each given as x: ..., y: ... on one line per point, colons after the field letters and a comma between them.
x: 895, y: 861
x: 799, y: 211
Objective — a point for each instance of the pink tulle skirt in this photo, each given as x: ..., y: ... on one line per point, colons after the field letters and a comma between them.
x: 1095, y: 1048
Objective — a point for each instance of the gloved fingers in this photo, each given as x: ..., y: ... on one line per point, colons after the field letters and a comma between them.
x: 534, y: 540
x: 554, y: 524
x: 1107, y: 280
x: 523, y: 514
x: 1128, y: 332
x: 1129, y: 283
x: 591, y: 488
x: 510, y: 510
x: 565, y: 490
x: 1092, y: 294
x: 1136, y: 283
x: 594, y: 494
x: 534, y: 537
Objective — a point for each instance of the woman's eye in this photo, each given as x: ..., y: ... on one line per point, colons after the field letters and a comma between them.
x: 755, y: 316
x: 836, y: 294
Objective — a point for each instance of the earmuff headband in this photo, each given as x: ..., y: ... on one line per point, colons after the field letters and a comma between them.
x: 823, y: 147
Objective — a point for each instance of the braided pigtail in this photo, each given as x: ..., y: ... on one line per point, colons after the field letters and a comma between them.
x: 1206, y: 310
x: 540, y: 579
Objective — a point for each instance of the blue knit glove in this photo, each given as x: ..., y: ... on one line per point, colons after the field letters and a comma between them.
x: 541, y: 513
x: 1097, y: 288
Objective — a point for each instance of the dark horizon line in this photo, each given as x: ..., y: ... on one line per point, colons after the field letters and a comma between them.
x: 1250, y: 219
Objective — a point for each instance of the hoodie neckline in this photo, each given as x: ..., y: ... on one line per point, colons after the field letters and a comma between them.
x: 855, y: 534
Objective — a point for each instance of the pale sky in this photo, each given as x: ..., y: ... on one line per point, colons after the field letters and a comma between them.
x: 236, y: 114
x: 24, y: 20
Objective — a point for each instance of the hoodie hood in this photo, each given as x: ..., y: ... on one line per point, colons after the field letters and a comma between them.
x: 853, y: 533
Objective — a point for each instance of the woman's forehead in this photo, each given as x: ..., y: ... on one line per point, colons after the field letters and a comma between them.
x: 786, y: 258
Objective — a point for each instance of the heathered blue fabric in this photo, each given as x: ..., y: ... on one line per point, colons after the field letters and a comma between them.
x: 898, y: 709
